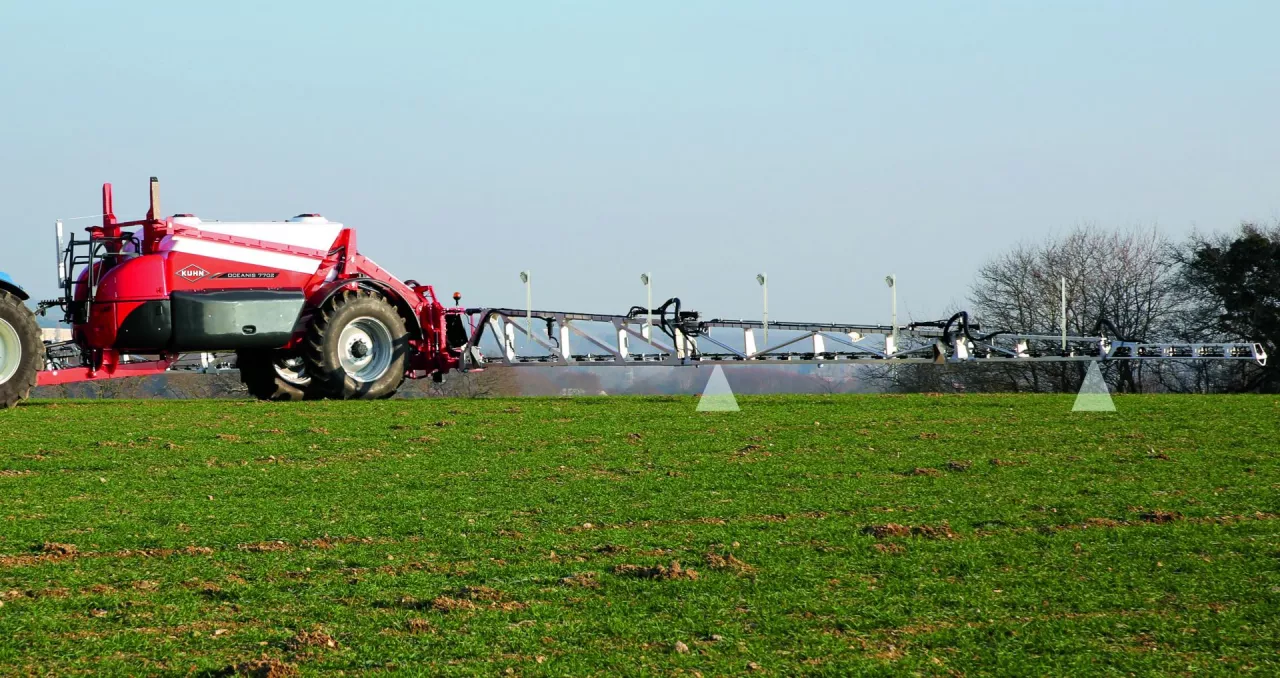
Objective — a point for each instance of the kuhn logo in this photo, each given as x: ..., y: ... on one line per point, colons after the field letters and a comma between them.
x: 192, y: 273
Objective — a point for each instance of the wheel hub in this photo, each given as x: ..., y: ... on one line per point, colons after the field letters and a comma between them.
x: 365, y: 349
x: 293, y: 370
x: 10, y: 351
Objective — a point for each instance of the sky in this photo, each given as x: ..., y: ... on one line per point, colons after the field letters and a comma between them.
x: 827, y: 143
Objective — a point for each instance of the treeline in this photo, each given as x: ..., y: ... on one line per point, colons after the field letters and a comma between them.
x: 1205, y: 289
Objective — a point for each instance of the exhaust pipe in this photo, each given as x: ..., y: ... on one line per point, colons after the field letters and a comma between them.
x: 153, y: 213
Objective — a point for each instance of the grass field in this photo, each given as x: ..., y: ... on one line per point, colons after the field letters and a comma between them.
x: 819, y: 535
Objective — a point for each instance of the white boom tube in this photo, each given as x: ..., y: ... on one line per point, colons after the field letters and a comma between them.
x: 763, y: 279
x: 1064, y: 314
x: 57, y: 253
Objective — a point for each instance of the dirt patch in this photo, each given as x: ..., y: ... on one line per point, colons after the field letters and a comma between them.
x: 7, y: 473
x: 264, y: 667
x: 420, y: 626
x: 924, y: 471
x: 264, y: 547
x: 303, y: 640
x: 1001, y: 462
x: 1101, y: 522
x: 672, y: 572
x: 152, y: 553
x: 729, y: 563
x: 959, y: 465
x: 447, y: 604
x: 585, y: 580
x: 1158, y: 516
x: 484, y: 593
x: 887, y: 530
x: 889, y: 548
x: 473, y: 598
x: 928, y: 436
x: 940, y: 531
x: 323, y: 543
x: 57, y: 549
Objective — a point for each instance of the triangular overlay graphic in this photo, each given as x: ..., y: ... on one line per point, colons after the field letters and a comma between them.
x: 717, y: 396
x: 1094, y: 394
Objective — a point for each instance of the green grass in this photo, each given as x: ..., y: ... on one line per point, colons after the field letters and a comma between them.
x: 435, y: 537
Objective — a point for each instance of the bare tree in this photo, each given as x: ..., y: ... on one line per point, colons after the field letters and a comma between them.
x: 1125, y: 277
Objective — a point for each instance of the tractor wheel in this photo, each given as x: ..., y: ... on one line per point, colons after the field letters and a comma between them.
x: 21, y: 350
x: 274, y: 375
x: 356, y: 347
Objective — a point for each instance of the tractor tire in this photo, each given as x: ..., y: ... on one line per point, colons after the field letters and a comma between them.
x: 274, y: 375
x: 21, y: 350
x: 356, y: 347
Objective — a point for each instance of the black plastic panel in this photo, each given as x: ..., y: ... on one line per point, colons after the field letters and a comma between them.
x: 147, y: 327
x: 455, y: 332
x: 234, y: 319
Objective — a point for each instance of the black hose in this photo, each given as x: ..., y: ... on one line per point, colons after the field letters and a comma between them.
x: 963, y: 317
x: 661, y: 311
x: 1103, y: 322
x: 965, y: 327
x: 551, y: 331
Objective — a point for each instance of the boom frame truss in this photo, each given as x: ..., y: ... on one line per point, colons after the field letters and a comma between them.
x: 804, y: 343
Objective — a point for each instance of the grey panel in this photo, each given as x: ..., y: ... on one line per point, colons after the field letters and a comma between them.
x: 234, y: 319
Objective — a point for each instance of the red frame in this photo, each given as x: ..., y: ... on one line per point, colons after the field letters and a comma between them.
x: 341, y: 267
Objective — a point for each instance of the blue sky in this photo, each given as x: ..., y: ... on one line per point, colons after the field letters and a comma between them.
x: 827, y: 143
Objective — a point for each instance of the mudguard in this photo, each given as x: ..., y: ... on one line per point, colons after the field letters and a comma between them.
x: 7, y: 284
x: 326, y: 291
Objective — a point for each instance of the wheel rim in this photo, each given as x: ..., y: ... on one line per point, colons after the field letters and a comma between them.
x: 10, y: 351
x: 292, y: 370
x: 365, y: 349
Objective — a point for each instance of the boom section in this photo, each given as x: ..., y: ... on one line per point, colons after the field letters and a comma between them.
x: 530, y: 338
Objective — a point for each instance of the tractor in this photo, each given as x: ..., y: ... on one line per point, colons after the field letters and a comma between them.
x: 306, y: 314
